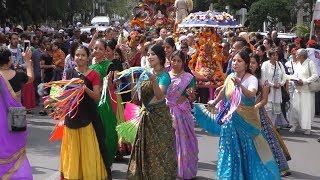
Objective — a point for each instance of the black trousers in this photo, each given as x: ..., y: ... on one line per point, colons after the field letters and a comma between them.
x: 203, y: 95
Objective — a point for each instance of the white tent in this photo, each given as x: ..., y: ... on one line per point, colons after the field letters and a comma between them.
x: 316, y: 16
x: 316, y: 13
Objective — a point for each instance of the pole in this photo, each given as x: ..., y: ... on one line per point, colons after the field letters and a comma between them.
x: 46, y: 1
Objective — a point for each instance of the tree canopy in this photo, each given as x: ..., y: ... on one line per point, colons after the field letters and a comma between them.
x: 272, y: 11
x: 38, y: 11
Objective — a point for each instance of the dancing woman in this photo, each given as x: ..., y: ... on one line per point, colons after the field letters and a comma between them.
x: 279, y: 149
x: 153, y: 154
x: 180, y: 94
x: 14, y: 163
x: 82, y: 155
x: 104, y: 67
x: 243, y: 150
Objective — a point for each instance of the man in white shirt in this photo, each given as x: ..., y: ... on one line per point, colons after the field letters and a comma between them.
x: 303, y: 98
x: 17, y: 60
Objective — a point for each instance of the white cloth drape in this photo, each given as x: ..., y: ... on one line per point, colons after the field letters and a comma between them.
x: 302, y: 109
x: 274, y: 74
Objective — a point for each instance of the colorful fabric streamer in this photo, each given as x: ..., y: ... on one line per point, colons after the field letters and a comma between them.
x: 132, y: 72
x: 65, y: 97
x: 234, y: 102
x: 228, y: 106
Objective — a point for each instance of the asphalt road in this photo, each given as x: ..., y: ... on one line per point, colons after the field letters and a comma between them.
x: 44, y: 155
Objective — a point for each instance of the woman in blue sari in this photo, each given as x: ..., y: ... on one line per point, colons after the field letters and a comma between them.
x: 243, y: 150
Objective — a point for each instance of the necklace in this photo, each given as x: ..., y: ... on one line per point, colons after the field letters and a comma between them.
x: 176, y: 74
x: 242, y: 77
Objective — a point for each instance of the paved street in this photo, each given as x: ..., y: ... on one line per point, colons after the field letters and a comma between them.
x: 44, y: 155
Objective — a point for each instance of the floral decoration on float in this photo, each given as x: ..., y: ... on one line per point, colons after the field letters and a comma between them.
x: 153, y: 13
x: 211, y: 70
x: 210, y: 19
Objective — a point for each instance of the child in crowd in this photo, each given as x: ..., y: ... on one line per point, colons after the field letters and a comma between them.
x: 58, y: 57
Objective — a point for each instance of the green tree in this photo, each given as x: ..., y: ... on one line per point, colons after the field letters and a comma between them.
x: 272, y: 11
x: 302, y: 30
x: 237, y: 4
x: 123, y: 8
x: 201, y: 5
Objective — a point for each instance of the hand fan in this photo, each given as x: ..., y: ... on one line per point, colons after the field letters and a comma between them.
x: 205, y: 118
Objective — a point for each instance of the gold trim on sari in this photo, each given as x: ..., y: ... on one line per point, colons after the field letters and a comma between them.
x: 250, y: 115
x: 22, y: 155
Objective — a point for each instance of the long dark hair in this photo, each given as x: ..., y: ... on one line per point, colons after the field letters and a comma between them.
x: 181, y: 55
x: 171, y: 42
x: 118, y: 50
x: 258, y: 71
x: 73, y: 47
x: 244, y: 53
x: 159, y: 51
x: 5, y: 55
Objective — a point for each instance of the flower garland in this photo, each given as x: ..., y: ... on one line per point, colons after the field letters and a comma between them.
x: 212, y: 70
x: 137, y: 22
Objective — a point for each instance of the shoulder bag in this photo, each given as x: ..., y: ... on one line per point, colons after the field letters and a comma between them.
x: 16, y: 116
x: 284, y: 93
x: 313, y: 86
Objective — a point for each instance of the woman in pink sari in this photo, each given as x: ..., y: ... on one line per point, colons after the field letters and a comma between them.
x: 180, y: 94
x: 14, y: 163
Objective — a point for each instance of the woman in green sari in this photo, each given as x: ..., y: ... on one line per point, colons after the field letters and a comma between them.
x: 105, y: 70
x: 153, y: 154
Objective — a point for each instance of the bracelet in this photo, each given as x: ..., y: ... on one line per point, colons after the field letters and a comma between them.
x: 155, y: 79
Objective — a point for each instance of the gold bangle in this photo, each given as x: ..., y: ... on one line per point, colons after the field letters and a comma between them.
x: 155, y: 79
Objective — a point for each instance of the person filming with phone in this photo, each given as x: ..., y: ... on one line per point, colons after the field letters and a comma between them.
x: 19, y: 65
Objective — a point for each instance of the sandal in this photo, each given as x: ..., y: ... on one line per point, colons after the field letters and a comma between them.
x: 43, y: 113
x: 285, y: 173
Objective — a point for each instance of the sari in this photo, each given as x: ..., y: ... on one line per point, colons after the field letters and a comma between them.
x: 186, y: 140
x: 153, y: 153
x: 279, y: 149
x: 243, y: 150
x: 14, y: 163
x: 106, y: 113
